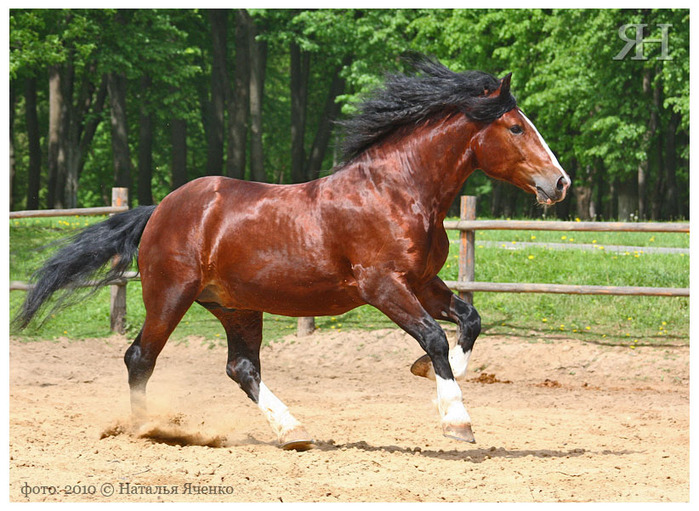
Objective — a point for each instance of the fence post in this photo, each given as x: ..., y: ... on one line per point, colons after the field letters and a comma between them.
x: 117, y: 304
x: 467, y: 245
x: 305, y: 326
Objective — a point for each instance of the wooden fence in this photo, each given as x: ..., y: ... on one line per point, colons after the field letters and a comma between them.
x: 120, y: 201
x: 465, y: 285
x: 467, y: 224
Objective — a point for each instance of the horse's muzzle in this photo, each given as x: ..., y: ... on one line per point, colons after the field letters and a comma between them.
x: 550, y: 193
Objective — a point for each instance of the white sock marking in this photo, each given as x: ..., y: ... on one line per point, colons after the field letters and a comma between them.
x: 458, y: 360
x: 275, y: 411
x: 449, y: 403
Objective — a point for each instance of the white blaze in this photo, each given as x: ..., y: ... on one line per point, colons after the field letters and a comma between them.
x: 546, y: 148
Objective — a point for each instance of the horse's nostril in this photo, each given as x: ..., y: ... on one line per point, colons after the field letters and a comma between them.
x: 561, y: 184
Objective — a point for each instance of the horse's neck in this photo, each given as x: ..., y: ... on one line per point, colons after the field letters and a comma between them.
x: 430, y: 164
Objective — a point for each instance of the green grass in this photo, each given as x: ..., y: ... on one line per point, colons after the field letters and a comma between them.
x: 628, y: 320
x: 631, y: 321
x: 636, y: 239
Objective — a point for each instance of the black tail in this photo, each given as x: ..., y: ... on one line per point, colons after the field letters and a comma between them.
x: 78, y: 263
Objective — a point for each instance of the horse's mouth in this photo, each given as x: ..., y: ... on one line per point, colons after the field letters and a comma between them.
x: 543, y: 198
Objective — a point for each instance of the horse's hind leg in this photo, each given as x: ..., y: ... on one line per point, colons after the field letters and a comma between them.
x: 244, y: 333
x: 441, y: 303
x: 163, y: 313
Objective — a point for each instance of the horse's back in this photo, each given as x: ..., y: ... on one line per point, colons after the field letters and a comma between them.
x: 250, y: 245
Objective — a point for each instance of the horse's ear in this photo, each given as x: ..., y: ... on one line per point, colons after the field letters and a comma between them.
x: 505, y: 84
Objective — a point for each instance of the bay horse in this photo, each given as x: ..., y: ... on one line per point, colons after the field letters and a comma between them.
x: 370, y: 233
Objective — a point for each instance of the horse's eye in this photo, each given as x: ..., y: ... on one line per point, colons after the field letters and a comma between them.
x: 516, y: 129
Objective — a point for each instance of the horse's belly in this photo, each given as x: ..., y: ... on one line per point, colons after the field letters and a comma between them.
x: 287, y: 295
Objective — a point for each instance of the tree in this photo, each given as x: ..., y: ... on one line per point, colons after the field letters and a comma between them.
x: 179, y: 152
x: 73, y: 94
x: 13, y: 96
x: 34, y: 143
x: 145, y: 145
x: 258, y: 64
x: 239, y: 100
x: 218, y: 20
x: 116, y: 85
x: 167, y: 75
x: 190, y: 89
x: 591, y: 108
x: 299, y: 71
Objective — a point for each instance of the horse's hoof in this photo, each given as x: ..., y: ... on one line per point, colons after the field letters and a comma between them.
x: 138, y: 421
x: 461, y: 432
x: 423, y: 367
x: 296, y: 439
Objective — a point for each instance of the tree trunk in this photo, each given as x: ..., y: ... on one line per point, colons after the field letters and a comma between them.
x: 178, y: 135
x: 239, y: 103
x: 71, y: 130
x: 510, y: 203
x: 34, y: 142
x: 13, y: 104
x: 642, y: 170
x: 63, y: 178
x: 648, y: 137
x: 660, y: 184
x: 627, y: 199
x: 658, y: 162
x: 504, y: 200
x: 670, y: 164
x: 331, y: 112
x: 92, y: 121
x: 116, y: 86
x: 258, y: 61
x: 300, y: 67
x: 55, y: 200
x: 219, y: 84
x: 71, y: 139
x: 583, y: 195
x: 611, y: 209
x: 495, y: 199
x: 602, y: 186
x: 145, y: 147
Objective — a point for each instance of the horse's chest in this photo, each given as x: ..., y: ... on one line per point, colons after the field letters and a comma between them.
x: 439, y: 251
x: 429, y: 255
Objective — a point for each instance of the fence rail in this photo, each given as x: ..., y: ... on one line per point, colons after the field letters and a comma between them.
x: 466, y: 284
x: 45, y: 213
x: 128, y: 276
x: 565, y: 289
x: 117, y: 304
x: 528, y: 225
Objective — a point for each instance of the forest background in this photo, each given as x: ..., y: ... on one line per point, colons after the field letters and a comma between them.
x: 151, y: 99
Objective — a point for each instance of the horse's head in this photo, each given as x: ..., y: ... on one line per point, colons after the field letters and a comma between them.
x: 511, y: 149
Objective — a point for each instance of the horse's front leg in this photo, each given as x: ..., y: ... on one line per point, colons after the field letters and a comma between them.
x: 394, y: 298
x: 441, y: 303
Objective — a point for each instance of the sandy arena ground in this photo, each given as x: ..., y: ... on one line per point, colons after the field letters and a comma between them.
x: 555, y: 420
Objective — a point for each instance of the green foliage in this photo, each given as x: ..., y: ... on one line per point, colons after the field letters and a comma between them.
x: 565, y: 73
x: 41, y: 38
x: 593, y: 110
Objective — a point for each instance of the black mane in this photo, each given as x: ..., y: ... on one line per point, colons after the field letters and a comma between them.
x: 411, y: 98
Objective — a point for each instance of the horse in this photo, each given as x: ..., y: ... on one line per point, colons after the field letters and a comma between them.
x: 371, y: 232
